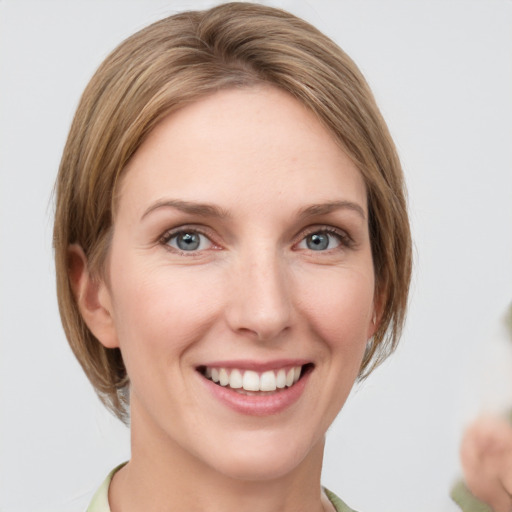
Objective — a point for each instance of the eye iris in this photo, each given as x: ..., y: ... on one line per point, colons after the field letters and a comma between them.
x: 317, y: 241
x: 188, y: 241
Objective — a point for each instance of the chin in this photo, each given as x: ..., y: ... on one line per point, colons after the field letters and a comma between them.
x: 267, y: 460
x: 259, y: 469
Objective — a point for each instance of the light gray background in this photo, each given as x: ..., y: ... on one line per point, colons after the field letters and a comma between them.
x: 442, y: 74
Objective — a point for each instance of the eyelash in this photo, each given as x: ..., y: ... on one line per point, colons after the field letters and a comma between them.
x: 344, y: 239
x: 169, y: 235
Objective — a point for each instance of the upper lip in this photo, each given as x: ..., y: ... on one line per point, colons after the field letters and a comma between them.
x: 257, y: 366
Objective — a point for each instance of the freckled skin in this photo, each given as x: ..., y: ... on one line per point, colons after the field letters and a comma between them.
x: 254, y: 292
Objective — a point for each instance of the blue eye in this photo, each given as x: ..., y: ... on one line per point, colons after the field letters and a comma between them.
x: 189, y: 241
x: 320, y: 241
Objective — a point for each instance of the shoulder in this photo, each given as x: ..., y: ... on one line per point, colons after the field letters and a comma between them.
x: 99, y: 502
x: 339, y: 504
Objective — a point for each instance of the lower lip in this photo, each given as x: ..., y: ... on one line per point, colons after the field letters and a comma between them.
x: 258, y: 405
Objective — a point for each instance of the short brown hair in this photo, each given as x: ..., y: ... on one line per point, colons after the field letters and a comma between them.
x: 176, y: 61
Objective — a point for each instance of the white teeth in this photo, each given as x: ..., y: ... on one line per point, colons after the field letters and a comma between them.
x: 250, y: 380
x: 268, y: 381
x: 223, y: 377
x: 290, y: 376
x: 235, y: 379
x: 281, y: 379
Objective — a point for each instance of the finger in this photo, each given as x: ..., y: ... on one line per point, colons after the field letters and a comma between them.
x: 486, y: 456
x: 485, y: 437
x: 493, y: 493
x: 505, y: 478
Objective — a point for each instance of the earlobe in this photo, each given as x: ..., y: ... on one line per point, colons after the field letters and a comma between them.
x: 376, y: 318
x: 92, y: 297
x: 373, y: 326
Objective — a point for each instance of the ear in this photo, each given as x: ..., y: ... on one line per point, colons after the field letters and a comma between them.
x: 93, y: 298
x: 378, y: 307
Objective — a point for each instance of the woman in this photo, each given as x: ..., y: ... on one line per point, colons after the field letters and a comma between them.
x: 232, y: 251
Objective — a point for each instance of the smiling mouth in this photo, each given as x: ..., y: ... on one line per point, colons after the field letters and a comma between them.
x: 250, y: 382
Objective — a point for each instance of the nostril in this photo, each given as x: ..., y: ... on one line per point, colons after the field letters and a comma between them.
x: 260, y: 305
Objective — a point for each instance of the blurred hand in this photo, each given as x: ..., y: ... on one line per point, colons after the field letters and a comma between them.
x: 486, y: 456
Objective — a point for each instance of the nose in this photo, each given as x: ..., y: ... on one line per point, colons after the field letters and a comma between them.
x: 259, y: 297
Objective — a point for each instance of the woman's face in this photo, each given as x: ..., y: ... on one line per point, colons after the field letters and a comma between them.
x: 240, y: 253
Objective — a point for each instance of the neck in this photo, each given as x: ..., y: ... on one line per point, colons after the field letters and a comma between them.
x: 162, y: 476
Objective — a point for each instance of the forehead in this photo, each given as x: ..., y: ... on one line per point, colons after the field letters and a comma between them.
x: 253, y: 145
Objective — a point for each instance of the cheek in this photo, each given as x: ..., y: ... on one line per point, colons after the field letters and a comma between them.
x: 339, y: 306
x: 159, y: 313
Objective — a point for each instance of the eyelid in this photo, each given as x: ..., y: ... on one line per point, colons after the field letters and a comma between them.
x: 187, y: 228
x: 346, y: 241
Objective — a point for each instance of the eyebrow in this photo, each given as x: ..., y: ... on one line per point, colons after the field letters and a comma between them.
x: 210, y: 210
x: 331, y: 206
x: 193, y: 208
